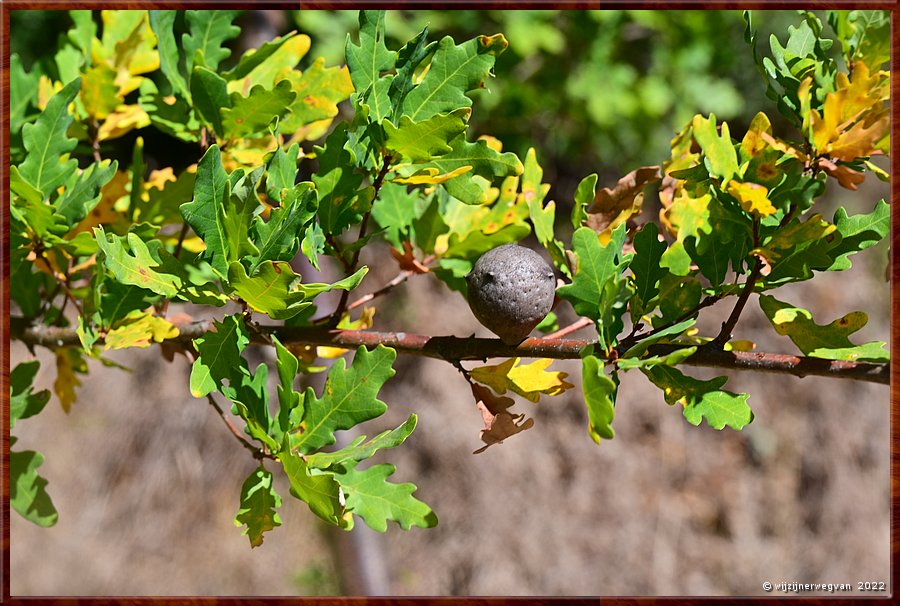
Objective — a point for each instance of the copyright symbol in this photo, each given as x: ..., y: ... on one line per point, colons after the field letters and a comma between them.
x: 767, y: 586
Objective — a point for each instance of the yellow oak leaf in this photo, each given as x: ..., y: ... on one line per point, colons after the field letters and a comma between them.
x: 123, y: 120
x: 854, y: 119
x: 527, y: 380
x: 753, y: 198
x: 138, y: 329
x: 69, y: 361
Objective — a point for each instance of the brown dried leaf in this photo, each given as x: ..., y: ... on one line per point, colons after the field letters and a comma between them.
x: 846, y: 176
x: 407, y: 259
x: 499, y: 423
x: 612, y: 207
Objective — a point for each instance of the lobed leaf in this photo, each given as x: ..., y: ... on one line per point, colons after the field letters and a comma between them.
x: 702, y: 399
x: 349, y: 397
x: 219, y: 356
x: 259, y: 500
x: 23, y: 402
x: 28, y: 490
x: 375, y: 500
x: 47, y: 165
x: 599, y: 397
x: 453, y: 72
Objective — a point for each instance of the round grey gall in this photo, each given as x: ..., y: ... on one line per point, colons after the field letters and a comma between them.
x: 511, y: 289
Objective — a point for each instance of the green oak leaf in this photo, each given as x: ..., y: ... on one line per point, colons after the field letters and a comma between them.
x: 281, y: 172
x: 646, y: 267
x: 409, y: 57
x: 138, y: 264
x: 274, y: 289
x: 320, y: 491
x: 858, y: 232
x: 337, y: 183
x: 162, y: 23
x: 219, y: 216
x: 829, y: 341
x: 350, y: 397
x: 702, y: 399
x: 82, y: 196
x: 368, y: 58
x: 665, y: 335
x: 208, y: 30
x: 23, y: 402
x: 28, y: 490
x: 290, y: 401
x: 421, y: 141
x: 23, y: 92
x: 219, y: 356
x: 396, y: 210
x: 259, y: 500
x: 361, y: 449
x: 210, y: 96
x: 278, y: 239
x: 47, y: 164
x: 460, y: 169
x: 598, y: 290
x: 599, y: 397
x: 584, y: 197
x: 453, y: 72
x: 670, y: 359
x: 375, y: 500
x: 251, y: 115
x: 251, y: 402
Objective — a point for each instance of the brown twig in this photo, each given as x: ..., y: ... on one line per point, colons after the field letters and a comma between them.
x: 729, y: 324
x: 396, y: 281
x: 257, y: 452
x: 457, y: 348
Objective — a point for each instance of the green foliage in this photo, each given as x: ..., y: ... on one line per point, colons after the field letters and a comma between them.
x: 298, y: 159
x: 28, y: 493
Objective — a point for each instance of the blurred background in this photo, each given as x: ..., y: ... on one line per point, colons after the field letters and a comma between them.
x: 147, y: 479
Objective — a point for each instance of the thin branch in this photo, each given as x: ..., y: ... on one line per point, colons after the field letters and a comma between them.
x: 396, y: 281
x: 363, y: 228
x: 62, y: 280
x: 729, y: 324
x: 257, y: 453
x: 631, y: 339
x: 457, y: 348
x: 573, y: 327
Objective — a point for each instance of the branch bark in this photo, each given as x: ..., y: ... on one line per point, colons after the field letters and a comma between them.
x: 470, y: 348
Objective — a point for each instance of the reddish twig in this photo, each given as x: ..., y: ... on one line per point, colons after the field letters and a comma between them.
x: 573, y: 327
x: 460, y: 348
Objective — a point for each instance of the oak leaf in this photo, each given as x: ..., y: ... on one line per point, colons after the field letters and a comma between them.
x: 613, y: 207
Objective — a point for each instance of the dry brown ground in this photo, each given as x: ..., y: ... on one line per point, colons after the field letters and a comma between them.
x: 147, y: 479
